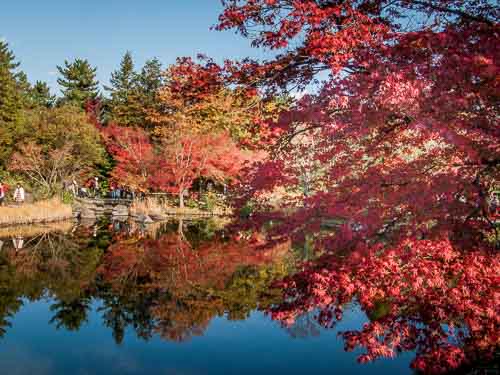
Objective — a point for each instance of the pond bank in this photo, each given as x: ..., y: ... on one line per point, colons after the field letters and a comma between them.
x: 54, y: 210
x: 48, y: 211
x: 141, y: 210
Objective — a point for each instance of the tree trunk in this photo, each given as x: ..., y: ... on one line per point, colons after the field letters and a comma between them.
x: 181, y: 199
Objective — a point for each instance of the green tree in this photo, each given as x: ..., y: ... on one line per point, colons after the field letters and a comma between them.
x: 150, y: 81
x: 78, y: 82
x: 125, y: 104
x: 34, y: 96
x: 23, y: 89
x: 10, y: 100
x: 40, y: 95
x: 10, y: 103
x: 60, y: 144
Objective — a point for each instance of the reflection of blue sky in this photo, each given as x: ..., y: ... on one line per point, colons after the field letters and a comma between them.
x: 257, y: 345
x: 22, y: 360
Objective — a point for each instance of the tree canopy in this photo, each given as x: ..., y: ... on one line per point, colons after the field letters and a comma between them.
x: 405, y: 125
x: 400, y: 143
x: 60, y: 144
x: 78, y: 82
x: 125, y: 104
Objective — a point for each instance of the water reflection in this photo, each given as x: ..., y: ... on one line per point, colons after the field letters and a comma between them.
x: 168, y: 280
x: 171, y: 280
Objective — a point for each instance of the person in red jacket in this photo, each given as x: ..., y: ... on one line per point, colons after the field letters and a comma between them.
x: 2, y: 193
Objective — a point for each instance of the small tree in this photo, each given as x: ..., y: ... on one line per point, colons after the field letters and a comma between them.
x: 45, y: 169
x: 61, y: 144
x: 41, y: 96
x: 190, y: 156
x: 134, y: 155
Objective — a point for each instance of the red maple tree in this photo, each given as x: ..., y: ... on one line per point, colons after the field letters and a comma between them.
x: 190, y: 156
x: 399, y: 145
x: 405, y: 127
x: 421, y: 295
x: 134, y: 155
x: 201, y: 126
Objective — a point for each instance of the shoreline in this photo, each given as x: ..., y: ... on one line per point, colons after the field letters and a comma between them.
x: 42, y: 212
x: 54, y: 211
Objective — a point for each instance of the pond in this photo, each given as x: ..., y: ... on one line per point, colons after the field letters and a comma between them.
x: 173, y: 298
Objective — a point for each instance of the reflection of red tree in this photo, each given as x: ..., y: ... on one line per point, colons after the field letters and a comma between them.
x: 183, y: 275
x: 210, y: 264
x: 440, y: 302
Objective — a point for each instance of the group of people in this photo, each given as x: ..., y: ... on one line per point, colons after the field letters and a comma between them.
x: 18, y: 197
x: 120, y: 192
x: 92, y: 188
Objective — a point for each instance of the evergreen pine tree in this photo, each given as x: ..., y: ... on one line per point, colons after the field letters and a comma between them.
x: 10, y: 99
x: 149, y: 82
x: 40, y: 95
x: 151, y: 78
x: 78, y: 81
x: 125, y: 102
x: 23, y: 89
x: 11, y: 103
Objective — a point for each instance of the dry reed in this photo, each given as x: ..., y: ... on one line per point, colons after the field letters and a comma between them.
x: 40, y: 212
x: 148, y: 206
x: 153, y: 207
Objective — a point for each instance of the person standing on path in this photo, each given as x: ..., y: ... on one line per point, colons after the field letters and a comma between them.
x: 74, y: 188
x: 96, y: 187
x: 19, y: 194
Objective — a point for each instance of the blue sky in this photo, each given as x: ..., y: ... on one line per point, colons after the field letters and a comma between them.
x: 43, y: 33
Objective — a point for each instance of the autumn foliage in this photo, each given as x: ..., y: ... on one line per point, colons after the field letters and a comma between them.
x: 405, y: 129
x: 389, y: 160
x: 201, y: 129
x: 371, y: 131
x: 419, y: 295
x: 394, y: 155
x: 171, y: 165
x: 134, y: 155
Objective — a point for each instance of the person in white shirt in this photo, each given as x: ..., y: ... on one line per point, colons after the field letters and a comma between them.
x: 74, y: 188
x: 19, y: 194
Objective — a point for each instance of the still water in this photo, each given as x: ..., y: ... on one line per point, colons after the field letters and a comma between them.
x: 175, y: 298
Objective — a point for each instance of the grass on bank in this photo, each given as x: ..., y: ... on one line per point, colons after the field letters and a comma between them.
x: 40, y: 212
